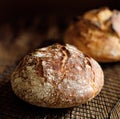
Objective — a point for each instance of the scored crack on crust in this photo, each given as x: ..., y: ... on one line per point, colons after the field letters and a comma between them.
x: 97, y: 34
x: 57, y: 77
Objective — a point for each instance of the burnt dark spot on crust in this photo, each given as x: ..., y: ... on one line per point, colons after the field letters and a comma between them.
x: 39, y: 67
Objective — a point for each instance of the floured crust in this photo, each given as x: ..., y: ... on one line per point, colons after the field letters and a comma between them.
x: 57, y: 77
x: 97, y: 34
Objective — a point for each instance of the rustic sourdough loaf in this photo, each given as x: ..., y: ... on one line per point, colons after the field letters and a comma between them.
x: 97, y: 34
x: 57, y: 76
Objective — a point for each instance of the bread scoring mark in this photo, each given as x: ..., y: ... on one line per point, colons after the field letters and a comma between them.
x: 100, y: 17
x: 53, y: 66
x: 75, y: 52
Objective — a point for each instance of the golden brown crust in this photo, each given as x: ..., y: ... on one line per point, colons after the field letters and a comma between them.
x: 100, y: 17
x: 95, y: 36
x: 57, y: 77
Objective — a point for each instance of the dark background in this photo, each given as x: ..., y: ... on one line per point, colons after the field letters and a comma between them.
x: 15, y: 8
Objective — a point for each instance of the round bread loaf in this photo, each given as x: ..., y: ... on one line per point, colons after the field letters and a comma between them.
x: 57, y: 76
x: 97, y: 34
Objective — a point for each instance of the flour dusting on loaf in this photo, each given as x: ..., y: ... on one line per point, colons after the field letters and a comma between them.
x: 57, y: 76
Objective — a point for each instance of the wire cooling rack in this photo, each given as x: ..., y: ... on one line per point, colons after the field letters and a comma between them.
x: 105, y: 106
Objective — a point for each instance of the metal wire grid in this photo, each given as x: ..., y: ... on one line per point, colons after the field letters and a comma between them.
x: 105, y: 106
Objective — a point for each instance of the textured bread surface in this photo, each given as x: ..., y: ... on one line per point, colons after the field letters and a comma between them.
x: 97, y: 34
x: 57, y: 76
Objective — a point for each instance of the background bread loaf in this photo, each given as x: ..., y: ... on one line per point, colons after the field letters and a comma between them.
x: 97, y: 34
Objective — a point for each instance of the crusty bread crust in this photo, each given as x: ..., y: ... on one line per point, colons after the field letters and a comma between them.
x: 97, y: 34
x: 57, y: 77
